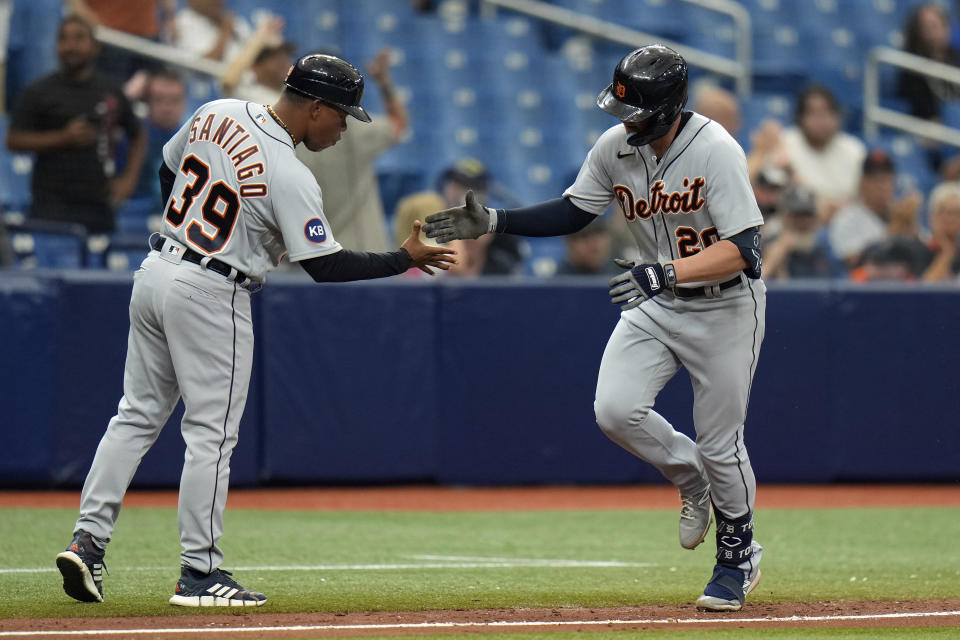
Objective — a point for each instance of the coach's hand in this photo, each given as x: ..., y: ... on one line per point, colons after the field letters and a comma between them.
x: 640, y: 282
x: 425, y: 256
x: 459, y: 223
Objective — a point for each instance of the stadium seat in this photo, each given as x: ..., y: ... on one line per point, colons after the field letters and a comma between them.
x: 15, y: 170
x: 48, y: 245
x: 545, y: 256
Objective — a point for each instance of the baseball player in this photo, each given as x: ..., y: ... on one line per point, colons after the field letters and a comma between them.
x: 695, y: 300
x: 237, y: 199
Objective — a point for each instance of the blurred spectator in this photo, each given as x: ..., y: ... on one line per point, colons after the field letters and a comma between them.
x: 797, y: 250
x: 888, y: 260
x: 501, y: 254
x: 6, y: 11
x: 74, y: 119
x: 258, y: 71
x: 6, y: 249
x: 150, y: 19
x: 588, y: 252
x: 875, y: 215
x: 166, y: 98
x: 768, y: 187
x: 491, y: 254
x: 720, y: 105
x: 346, y: 172
x: 206, y: 28
x: 945, y: 229
x: 822, y: 157
x: 927, y: 34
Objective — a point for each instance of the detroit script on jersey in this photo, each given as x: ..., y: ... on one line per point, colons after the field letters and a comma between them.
x: 678, y: 205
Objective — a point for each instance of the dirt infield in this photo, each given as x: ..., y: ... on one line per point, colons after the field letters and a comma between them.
x: 518, y: 499
x: 261, y: 624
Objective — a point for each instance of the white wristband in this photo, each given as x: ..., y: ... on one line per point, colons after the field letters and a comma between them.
x: 492, y: 227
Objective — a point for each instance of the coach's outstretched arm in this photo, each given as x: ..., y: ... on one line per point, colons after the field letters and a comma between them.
x: 346, y: 265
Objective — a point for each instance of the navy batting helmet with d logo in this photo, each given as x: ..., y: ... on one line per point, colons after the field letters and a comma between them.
x: 649, y: 86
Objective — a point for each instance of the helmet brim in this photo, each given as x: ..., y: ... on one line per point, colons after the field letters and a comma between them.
x: 357, y: 112
x: 620, y: 110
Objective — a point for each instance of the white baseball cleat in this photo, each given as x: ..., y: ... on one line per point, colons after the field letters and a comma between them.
x: 696, y: 515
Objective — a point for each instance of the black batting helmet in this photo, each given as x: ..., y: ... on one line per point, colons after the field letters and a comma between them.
x: 330, y: 79
x: 649, y: 86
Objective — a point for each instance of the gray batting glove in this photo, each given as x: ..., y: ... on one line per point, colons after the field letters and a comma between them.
x: 636, y: 284
x: 469, y: 221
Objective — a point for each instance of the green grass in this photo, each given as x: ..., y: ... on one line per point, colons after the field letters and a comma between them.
x: 716, y: 634
x: 811, y: 555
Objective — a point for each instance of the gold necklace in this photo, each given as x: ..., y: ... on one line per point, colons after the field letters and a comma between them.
x: 273, y: 114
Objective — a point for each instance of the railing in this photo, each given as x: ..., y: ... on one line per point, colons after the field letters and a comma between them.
x: 875, y: 115
x: 739, y: 68
x: 162, y: 52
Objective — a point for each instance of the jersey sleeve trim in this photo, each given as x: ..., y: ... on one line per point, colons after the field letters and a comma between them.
x: 315, y: 253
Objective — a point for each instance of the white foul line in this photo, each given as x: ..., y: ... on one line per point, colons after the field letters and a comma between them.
x: 435, y: 562
x: 496, y: 623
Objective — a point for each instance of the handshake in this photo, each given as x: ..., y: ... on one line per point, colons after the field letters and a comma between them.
x: 472, y: 220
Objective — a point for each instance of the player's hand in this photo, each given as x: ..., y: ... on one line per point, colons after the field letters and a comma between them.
x: 459, y: 223
x: 79, y: 132
x: 638, y: 283
x: 424, y: 256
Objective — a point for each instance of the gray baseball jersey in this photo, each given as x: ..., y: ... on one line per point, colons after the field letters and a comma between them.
x: 241, y: 197
x: 241, y: 193
x: 676, y: 206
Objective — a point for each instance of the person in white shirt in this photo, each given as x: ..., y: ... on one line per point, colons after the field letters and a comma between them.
x: 206, y: 28
x: 823, y: 158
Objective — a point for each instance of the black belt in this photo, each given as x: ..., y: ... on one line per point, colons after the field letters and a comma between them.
x: 217, y: 266
x: 702, y: 291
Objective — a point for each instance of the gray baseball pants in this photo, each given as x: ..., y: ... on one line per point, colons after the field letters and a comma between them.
x: 191, y: 335
x: 718, y: 341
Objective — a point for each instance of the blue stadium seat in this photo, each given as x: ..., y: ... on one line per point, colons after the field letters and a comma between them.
x: 47, y: 245
x: 545, y: 256
x: 15, y: 170
x: 658, y: 17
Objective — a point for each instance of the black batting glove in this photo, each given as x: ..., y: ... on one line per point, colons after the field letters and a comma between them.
x: 640, y: 282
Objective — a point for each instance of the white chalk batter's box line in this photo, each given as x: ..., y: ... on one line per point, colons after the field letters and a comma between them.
x: 501, y: 624
x: 423, y: 562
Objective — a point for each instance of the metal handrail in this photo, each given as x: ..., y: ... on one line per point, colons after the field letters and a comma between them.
x: 875, y: 115
x: 738, y: 69
x: 166, y: 53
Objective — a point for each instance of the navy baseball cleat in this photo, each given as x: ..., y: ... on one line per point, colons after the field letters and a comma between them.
x: 729, y: 586
x: 215, y: 589
x: 81, y: 566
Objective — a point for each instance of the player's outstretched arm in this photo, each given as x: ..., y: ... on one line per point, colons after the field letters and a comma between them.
x: 557, y: 217
x: 346, y: 265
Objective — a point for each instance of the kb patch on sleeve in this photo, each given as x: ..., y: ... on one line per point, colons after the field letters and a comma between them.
x: 314, y: 231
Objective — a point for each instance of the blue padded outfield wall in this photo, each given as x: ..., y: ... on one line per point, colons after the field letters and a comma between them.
x: 484, y: 382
